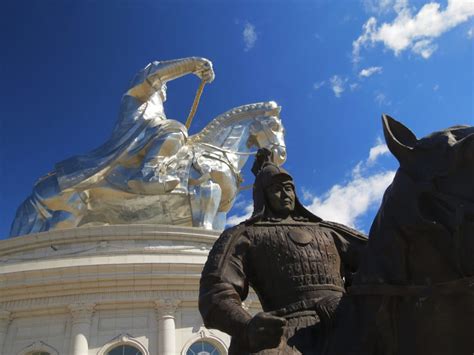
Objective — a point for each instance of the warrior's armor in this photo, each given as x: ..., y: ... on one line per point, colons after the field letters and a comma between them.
x: 298, y: 271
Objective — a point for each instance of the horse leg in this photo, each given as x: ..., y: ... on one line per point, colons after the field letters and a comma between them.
x: 229, y: 188
x: 210, y: 197
x: 219, y: 221
x: 215, y: 189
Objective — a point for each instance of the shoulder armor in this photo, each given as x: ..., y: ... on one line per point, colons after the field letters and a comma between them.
x: 345, y: 230
x: 223, y: 246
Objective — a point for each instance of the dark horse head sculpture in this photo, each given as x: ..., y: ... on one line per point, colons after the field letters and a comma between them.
x: 414, y: 291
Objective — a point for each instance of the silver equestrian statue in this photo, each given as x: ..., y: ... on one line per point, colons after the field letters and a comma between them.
x: 150, y: 171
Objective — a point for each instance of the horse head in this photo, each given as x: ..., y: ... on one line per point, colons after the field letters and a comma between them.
x: 267, y: 131
x: 422, y: 230
x: 240, y: 129
x: 444, y: 159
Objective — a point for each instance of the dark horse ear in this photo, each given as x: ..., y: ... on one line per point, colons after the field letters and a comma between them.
x: 400, y: 140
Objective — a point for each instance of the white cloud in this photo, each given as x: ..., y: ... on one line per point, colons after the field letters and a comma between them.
x: 376, y: 6
x: 425, y: 48
x: 250, y: 36
x: 370, y: 71
x: 354, y: 86
x: 377, y: 151
x: 346, y: 203
x: 383, y: 6
x: 242, y: 216
x: 307, y: 194
x: 318, y: 85
x: 399, y: 5
x: 381, y: 99
x: 364, y: 39
x: 416, y: 32
x: 338, y: 85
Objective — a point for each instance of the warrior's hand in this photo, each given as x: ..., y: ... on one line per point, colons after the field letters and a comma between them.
x: 264, y: 331
x: 204, y: 70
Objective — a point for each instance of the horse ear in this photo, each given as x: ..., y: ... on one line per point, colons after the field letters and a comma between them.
x: 400, y: 140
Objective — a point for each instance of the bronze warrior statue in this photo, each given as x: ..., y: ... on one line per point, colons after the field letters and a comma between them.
x: 298, y: 264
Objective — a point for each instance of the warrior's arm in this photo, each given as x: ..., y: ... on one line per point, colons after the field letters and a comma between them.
x: 224, y: 284
x: 162, y: 72
x: 173, y: 69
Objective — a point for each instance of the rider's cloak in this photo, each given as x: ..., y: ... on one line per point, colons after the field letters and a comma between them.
x: 138, y: 124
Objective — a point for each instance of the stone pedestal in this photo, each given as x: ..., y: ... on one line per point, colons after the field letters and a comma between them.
x: 80, y: 330
x: 165, y: 310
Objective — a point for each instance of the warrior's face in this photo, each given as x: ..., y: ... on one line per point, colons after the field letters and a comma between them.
x: 280, y: 196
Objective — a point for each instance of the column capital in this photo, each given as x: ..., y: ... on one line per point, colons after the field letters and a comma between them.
x: 81, y: 312
x: 166, y: 307
x: 165, y: 311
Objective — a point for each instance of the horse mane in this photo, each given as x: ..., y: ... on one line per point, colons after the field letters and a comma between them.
x: 236, y: 114
x: 451, y: 135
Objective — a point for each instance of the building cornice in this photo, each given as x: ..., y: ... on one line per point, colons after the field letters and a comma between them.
x: 79, y: 235
x: 161, y: 301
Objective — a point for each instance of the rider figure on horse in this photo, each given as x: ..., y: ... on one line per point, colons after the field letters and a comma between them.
x: 142, y: 131
x: 130, y: 160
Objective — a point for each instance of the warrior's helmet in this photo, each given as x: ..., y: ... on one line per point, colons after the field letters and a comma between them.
x: 266, y: 172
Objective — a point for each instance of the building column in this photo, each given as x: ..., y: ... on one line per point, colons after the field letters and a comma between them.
x: 165, y: 310
x: 5, y: 318
x: 81, y: 323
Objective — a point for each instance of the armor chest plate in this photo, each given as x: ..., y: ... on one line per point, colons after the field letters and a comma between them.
x: 300, y: 259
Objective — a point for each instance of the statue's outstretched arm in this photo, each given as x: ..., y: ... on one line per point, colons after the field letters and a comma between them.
x: 159, y: 73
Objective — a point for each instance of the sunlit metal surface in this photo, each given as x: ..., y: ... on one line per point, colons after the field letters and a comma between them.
x: 149, y: 171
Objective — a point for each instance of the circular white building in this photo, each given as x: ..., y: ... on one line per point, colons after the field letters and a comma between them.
x: 108, y: 290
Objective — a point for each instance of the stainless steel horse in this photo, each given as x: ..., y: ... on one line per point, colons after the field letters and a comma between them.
x: 205, y: 171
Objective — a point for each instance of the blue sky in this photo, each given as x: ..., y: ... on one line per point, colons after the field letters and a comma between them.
x: 334, y: 67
